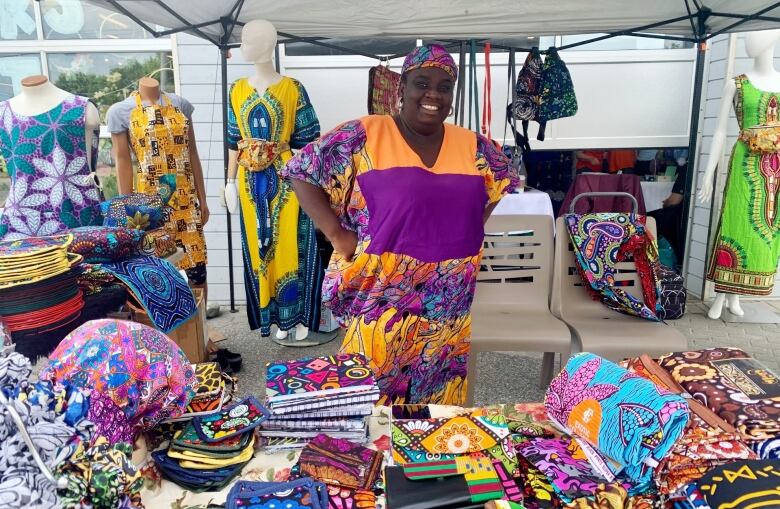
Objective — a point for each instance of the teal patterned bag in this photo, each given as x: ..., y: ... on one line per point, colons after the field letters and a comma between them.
x: 557, y: 98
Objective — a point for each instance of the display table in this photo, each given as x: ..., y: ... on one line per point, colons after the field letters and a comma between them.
x: 655, y: 193
x: 529, y: 202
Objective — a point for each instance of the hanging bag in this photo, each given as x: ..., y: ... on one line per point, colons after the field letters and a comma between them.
x: 525, y: 103
x: 383, y: 90
x: 556, y: 96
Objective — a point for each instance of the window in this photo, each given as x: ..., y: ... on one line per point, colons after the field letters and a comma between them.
x: 364, y: 45
x: 13, y: 68
x: 83, y: 49
x: 71, y: 19
x: 17, y: 20
x: 107, y: 78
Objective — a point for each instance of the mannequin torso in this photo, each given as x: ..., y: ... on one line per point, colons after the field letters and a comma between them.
x: 39, y: 95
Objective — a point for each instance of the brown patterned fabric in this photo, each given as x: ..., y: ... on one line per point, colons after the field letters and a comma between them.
x: 739, y: 389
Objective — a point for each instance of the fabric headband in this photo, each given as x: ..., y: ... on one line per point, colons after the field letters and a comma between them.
x: 430, y: 55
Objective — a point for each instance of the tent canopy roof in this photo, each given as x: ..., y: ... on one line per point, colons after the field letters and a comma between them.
x: 220, y: 21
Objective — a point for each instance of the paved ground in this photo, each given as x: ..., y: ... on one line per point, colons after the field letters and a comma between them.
x: 502, y: 378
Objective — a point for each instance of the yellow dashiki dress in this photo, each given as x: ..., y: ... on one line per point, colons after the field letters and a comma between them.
x: 282, y: 271
x: 406, y: 295
x: 159, y: 136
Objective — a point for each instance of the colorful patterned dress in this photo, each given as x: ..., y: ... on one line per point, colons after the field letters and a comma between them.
x: 282, y: 271
x: 52, y: 185
x: 159, y: 135
x: 405, y: 296
x: 747, y: 244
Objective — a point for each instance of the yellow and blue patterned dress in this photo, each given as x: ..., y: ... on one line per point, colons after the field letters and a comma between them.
x: 282, y: 271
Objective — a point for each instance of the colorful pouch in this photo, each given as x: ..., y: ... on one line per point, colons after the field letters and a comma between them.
x: 159, y: 242
x: 188, y: 439
x: 256, y: 154
x: 243, y: 416
x: 209, y: 379
x: 340, y: 462
x: 482, y: 430
x: 120, y: 209
x: 300, y: 494
x: 481, y: 478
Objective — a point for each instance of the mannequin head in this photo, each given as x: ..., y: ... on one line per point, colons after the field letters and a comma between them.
x: 757, y: 43
x: 258, y: 41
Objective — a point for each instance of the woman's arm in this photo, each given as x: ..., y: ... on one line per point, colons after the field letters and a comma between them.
x: 316, y: 204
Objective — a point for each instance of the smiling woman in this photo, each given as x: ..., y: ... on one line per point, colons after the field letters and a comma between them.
x: 403, y: 200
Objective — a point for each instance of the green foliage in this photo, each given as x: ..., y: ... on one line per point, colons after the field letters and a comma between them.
x: 118, y: 83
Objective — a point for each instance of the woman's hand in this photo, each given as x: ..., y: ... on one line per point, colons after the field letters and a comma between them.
x: 345, y: 243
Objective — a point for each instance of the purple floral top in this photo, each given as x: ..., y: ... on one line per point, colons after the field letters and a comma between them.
x: 52, y: 186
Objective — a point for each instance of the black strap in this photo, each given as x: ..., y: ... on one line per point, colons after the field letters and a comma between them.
x: 510, y: 84
x: 460, y: 88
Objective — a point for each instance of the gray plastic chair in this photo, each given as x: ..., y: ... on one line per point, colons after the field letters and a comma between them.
x: 511, y: 310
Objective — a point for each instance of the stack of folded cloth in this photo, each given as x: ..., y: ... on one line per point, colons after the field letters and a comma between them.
x: 40, y: 301
x: 329, y: 394
x: 707, y: 441
x: 304, y: 493
x: 211, y: 450
x: 211, y: 392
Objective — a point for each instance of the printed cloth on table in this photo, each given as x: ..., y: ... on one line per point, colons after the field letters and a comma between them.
x: 601, y: 241
x: 612, y: 496
x: 565, y: 465
x: 340, y: 462
x: 159, y: 287
x: 99, y: 476
x: 706, y: 442
x: 105, y: 243
x: 53, y: 416
x: 628, y: 419
x: 143, y: 372
x: 160, y: 242
x: 530, y: 420
x: 742, y: 485
x: 739, y: 389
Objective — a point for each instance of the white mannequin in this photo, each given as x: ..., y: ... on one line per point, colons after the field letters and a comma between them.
x: 258, y: 42
x: 760, y: 46
x: 39, y: 95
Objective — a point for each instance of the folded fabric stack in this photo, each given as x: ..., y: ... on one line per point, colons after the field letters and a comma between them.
x: 304, y: 493
x: 707, y: 441
x: 211, y: 450
x: 329, y: 394
x: 40, y: 301
x: 351, y: 472
x: 159, y: 242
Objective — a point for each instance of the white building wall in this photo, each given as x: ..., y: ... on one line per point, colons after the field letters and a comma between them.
x: 705, y: 217
x: 626, y: 99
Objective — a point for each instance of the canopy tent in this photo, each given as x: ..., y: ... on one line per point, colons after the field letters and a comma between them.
x: 219, y: 21
x: 216, y: 20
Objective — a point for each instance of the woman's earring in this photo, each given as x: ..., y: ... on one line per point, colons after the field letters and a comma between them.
x: 452, y: 111
x: 400, y: 105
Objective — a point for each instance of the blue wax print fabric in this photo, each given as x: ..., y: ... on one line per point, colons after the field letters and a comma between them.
x: 627, y: 418
x: 158, y: 287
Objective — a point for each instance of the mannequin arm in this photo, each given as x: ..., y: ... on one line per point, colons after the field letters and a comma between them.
x: 316, y: 204
x: 197, y: 174
x: 124, y: 164
x: 231, y: 192
x: 718, y: 141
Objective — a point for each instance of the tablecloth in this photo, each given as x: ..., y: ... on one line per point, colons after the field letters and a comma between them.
x: 263, y: 467
x: 529, y: 202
